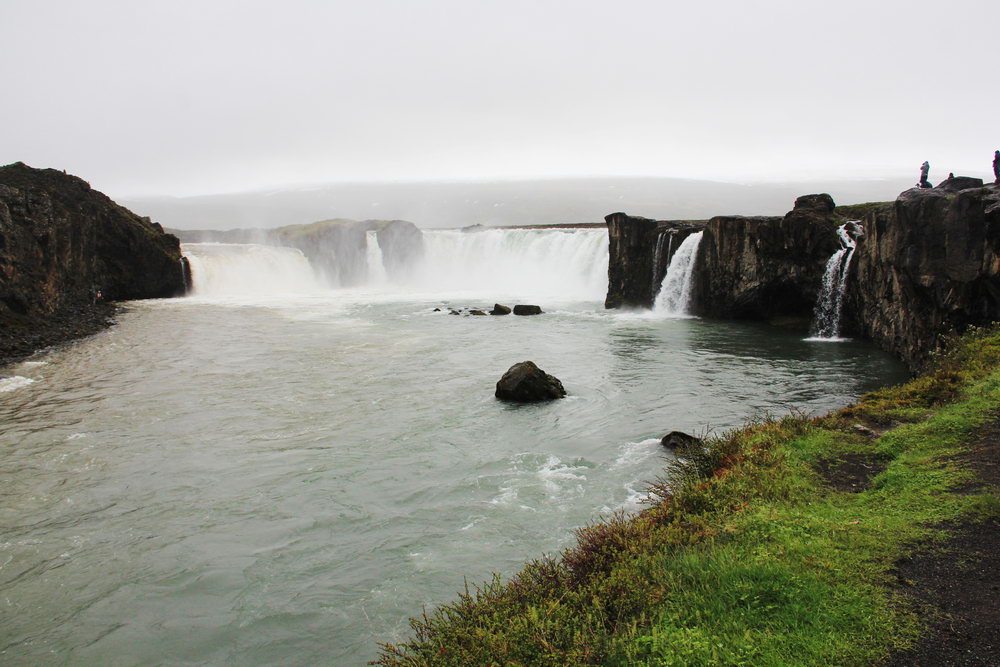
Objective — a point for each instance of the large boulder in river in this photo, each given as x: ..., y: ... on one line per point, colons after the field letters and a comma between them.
x: 527, y: 383
x: 679, y: 440
x: 522, y: 309
x: 500, y: 309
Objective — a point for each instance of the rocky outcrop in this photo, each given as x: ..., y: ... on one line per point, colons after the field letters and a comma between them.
x: 527, y: 383
x: 766, y: 267
x: 640, y: 250
x: 679, y: 440
x: 929, y: 263
x: 499, y: 309
x: 60, y: 241
x: 527, y: 309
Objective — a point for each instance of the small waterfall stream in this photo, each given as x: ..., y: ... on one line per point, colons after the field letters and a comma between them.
x: 376, y: 265
x: 830, y: 304
x: 674, y: 299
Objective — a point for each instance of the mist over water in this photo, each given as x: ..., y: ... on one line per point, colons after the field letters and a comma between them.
x: 276, y: 470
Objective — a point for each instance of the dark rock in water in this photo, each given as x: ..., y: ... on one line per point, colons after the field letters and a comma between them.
x: 476, y: 312
x: 959, y: 183
x: 527, y: 383
x: 454, y: 312
x: 437, y: 310
x: 679, y: 440
x: 61, y: 242
x: 500, y: 310
x: 527, y: 310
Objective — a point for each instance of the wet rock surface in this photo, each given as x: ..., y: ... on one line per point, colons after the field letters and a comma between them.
x: 523, y: 309
x: 525, y: 382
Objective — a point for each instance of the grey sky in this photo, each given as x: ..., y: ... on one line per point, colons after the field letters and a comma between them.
x: 196, y: 97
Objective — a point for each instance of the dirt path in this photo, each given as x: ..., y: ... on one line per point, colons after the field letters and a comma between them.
x: 957, y: 585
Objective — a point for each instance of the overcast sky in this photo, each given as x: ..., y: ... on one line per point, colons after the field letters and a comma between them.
x: 198, y: 97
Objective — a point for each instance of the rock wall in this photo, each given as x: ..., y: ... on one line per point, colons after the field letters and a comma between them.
x: 766, y: 267
x: 930, y: 263
x: 640, y: 250
x: 60, y: 239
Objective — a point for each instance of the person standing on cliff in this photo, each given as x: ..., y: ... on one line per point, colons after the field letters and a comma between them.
x: 996, y: 167
x: 924, y: 170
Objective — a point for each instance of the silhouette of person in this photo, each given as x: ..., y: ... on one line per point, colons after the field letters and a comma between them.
x: 924, y: 170
x: 996, y: 167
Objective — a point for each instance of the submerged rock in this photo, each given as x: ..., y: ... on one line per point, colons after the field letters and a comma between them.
x: 521, y: 309
x: 679, y: 440
x: 500, y: 310
x: 525, y: 382
x: 476, y: 312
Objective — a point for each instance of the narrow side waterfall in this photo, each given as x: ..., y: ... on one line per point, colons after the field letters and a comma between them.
x: 830, y: 304
x: 527, y: 263
x: 674, y: 299
x: 376, y: 263
x: 657, y: 256
x: 249, y: 270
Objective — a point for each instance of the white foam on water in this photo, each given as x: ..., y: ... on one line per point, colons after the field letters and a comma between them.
x: 633, y: 453
x: 13, y: 383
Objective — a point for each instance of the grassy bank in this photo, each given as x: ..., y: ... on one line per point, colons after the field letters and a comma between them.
x: 772, y: 546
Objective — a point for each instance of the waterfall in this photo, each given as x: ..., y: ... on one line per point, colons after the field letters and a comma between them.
x: 525, y: 263
x: 674, y: 299
x: 248, y: 270
x: 830, y: 304
x: 657, y: 256
x: 376, y: 263
x: 530, y: 265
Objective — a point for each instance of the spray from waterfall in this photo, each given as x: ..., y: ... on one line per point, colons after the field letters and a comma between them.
x: 247, y: 270
x: 830, y: 304
x: 376, y: 264
x: 674, y: 299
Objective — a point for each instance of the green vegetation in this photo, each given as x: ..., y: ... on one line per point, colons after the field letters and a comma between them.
x: 860, y: 211
x: 750, y: 555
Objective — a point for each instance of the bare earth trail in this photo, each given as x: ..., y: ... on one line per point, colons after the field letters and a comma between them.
x: 957, y: 583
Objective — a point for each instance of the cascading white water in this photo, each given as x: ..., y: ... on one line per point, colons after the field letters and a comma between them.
x: 548, y: 263
x: 248, y: 270
x: 376, y: 264
x: 658, y: 255
x: 674, y: 299
x: 830, y: 304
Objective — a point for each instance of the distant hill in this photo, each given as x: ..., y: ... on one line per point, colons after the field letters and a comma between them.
x: 502, y: 203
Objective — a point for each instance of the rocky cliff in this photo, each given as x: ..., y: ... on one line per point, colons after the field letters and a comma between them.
x: 59, y: 241
x: 930, y: 263
x: 640, y: 250
x: 766, y: 267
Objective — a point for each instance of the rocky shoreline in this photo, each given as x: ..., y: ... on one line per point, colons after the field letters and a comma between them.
x: 20, y: 341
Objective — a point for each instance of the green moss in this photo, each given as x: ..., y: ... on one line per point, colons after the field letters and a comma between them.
x: 748, y: 557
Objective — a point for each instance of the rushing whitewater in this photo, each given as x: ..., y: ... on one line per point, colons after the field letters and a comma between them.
x: 830, y: 303
x: 376, y: 263
x: 674, y: 299
x: 249, y: 270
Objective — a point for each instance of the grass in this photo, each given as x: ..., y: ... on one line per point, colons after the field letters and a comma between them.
x: 747, y: 556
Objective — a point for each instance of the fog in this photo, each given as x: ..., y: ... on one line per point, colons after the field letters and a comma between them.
x: 189, y: 98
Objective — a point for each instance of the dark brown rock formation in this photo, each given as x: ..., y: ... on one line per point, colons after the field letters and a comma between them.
x: 929, y: 263
x: 499, y: 309
x: 640, y: 250
x: 525, y: 309
x: 763, y: 267
x: 60, y: 241
x: 527, y: 383
x: 679, y: 440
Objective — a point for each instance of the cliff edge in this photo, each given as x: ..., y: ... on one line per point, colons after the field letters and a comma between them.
x: 60, y: 242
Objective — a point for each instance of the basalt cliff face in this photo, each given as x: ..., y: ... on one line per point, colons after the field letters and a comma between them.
x: 765, y: 267
x: 641, y: 250
x: 59, y: 241
x: 930, y: 263
x: 927, y: 264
